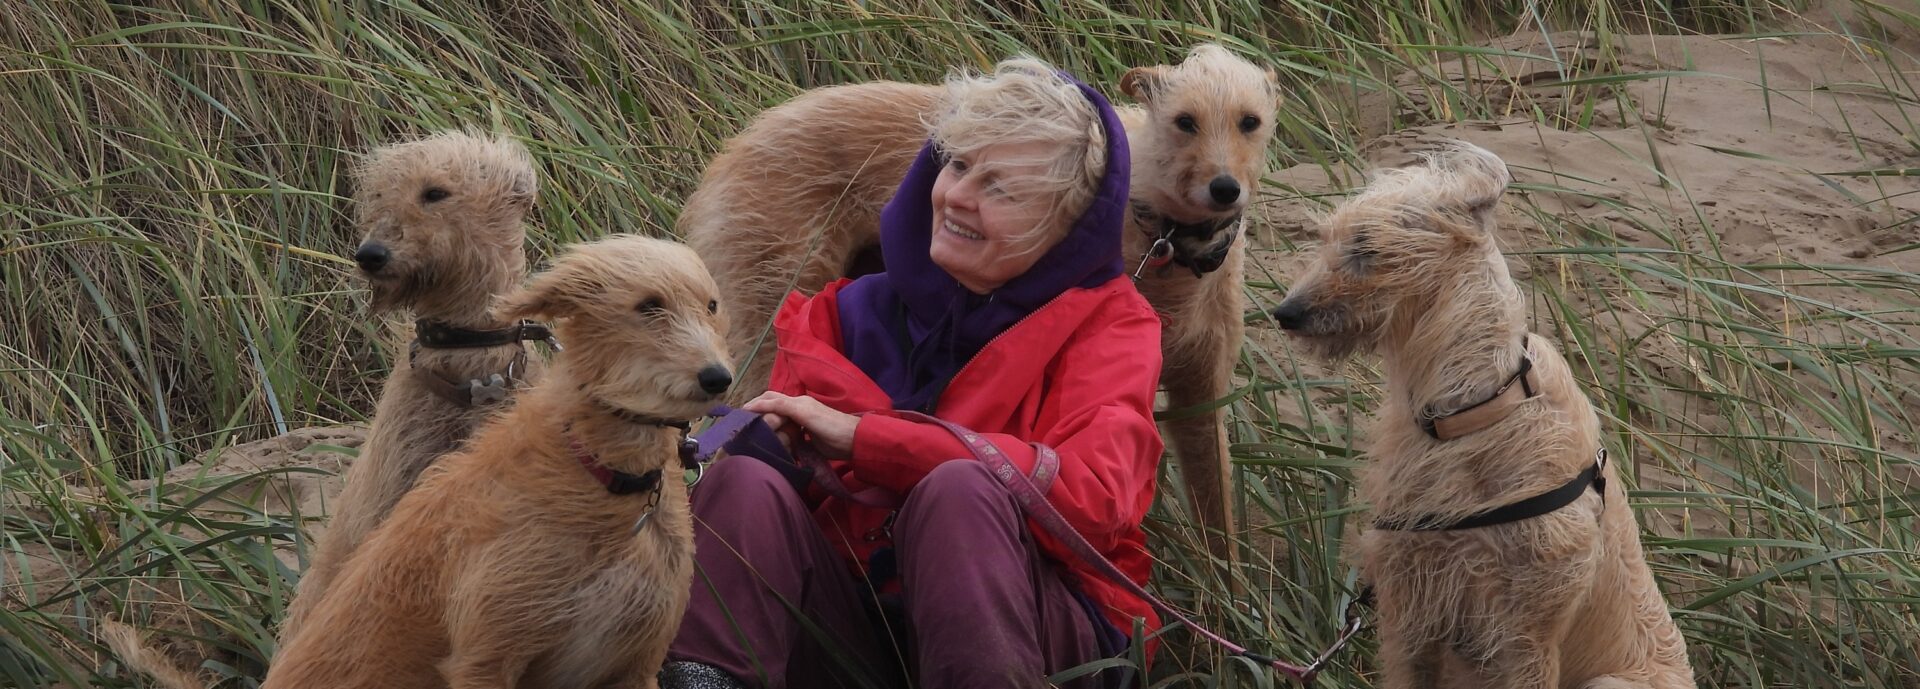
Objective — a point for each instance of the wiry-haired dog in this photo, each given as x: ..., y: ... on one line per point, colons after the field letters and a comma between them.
x: 794, y: 202
x: 442, y: 220
x: 556, y: 548
x: 1501, y: 543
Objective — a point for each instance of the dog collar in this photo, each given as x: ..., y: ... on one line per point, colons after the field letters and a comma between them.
x: 616, y: 482
x: 689, y: 447
x: 1160, y: 253
x: 474, y: 392
x: 1593, y: 477
x: 1480, y: 415
x: 438, y: 335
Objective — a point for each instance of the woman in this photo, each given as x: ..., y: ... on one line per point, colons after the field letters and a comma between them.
x: 1003, y: 309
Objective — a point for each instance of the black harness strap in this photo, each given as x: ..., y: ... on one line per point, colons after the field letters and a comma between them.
x: 1538, y: 505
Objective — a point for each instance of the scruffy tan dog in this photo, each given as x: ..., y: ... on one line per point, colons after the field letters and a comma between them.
x: 556, y: 548
x: 1485, y: 557
x: 794, y: 202
x: 443, y: 236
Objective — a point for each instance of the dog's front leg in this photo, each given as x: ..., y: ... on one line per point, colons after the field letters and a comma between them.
x: 1407, y: 663
x: 1201, y: 345
x: 502, y: 614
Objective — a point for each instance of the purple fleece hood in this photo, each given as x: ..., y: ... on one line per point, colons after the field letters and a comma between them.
x: 913, y: 327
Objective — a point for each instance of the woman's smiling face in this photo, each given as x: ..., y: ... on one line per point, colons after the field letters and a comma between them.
x: 985, y: 231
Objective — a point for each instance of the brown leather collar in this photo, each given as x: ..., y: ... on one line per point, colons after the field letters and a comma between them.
x: 474, y: 392
x: 1489, y: 411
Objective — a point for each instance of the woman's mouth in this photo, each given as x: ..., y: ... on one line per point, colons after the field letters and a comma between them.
x: 961, y: 232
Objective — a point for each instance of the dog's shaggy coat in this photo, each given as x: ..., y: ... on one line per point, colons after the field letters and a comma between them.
x: 445, y: 216
x: 793, y: 202
x: 509, y: 564
x: 1564, y: 600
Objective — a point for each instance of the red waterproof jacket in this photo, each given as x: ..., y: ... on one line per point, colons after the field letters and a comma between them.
x: 1077, y: 375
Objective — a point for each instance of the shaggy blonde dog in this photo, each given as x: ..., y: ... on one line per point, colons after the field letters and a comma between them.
x: 442, y: 224
x: 793, y: 202
x: 556, y: 549
x: 1562, y: 598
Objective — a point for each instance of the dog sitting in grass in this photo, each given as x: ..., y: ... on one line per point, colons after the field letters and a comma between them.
x: 555, y: 549
x: 442, y: 236
x: 1502, y: 546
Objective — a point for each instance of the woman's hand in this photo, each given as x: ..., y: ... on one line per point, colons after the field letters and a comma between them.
x: 832, y: 430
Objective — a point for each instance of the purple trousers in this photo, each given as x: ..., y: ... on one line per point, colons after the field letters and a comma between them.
x: 775, y: 605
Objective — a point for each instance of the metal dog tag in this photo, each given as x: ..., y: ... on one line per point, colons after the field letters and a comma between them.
x: 493, y: 390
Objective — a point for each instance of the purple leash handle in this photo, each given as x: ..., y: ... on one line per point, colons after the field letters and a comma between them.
x: 1033, y: 501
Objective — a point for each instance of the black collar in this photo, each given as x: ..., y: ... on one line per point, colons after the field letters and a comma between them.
x: 438, y: 335
x: 1161, y: 252
x: 689, y: 446
x: 1545, y: 503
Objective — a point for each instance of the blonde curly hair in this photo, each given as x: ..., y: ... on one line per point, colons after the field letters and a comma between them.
x: 1026, y: 100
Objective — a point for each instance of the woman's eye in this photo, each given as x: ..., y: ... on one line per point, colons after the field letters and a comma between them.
x: 1186, y: 124
x: 957, y: 165
x: 649, y: 305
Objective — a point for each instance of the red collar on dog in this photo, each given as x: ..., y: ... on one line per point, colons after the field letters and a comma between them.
x: 623, y: 483
x: 617, y: 482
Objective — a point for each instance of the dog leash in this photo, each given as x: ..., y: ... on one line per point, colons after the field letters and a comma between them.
x: 1030, y: 494
x: 1034, y: 502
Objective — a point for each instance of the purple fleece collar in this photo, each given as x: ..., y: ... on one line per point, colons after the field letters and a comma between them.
x: 913, y: 327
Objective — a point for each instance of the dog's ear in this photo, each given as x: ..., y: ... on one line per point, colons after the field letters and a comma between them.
x: 521, y: 191
x: 546, y: 296
x: 1479, y: 178
x: 1273, y: 86
x: 1141, y: 83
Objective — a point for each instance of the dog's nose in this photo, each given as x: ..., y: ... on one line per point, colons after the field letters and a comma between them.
x: 1290, y: 314
x: 372, y: 257
x: 715, y: 379
x: 1225, y: 190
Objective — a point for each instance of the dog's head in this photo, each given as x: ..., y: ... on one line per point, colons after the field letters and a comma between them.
x: 1386, y: 253
x: 641, y: 322
x: 1199, y: 156
x: 441, y: 220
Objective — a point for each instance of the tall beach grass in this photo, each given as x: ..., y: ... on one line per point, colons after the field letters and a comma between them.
x: 172, y: 230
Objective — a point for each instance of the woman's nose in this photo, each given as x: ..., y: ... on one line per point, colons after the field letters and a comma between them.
x: 964, y: 195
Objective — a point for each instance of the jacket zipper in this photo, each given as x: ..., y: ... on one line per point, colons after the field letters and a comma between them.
x: 990, y: 343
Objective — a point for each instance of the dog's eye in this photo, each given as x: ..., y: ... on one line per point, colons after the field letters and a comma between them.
x: 1360, y: 254
x: 1186, y: 124
x: 1249, y: 123
x: 433, y: 194
x: 713, y: 306
x: 650, y: 305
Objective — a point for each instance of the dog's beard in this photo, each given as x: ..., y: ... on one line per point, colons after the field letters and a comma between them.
x: 1332, y: 336
x: 397, y: 291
